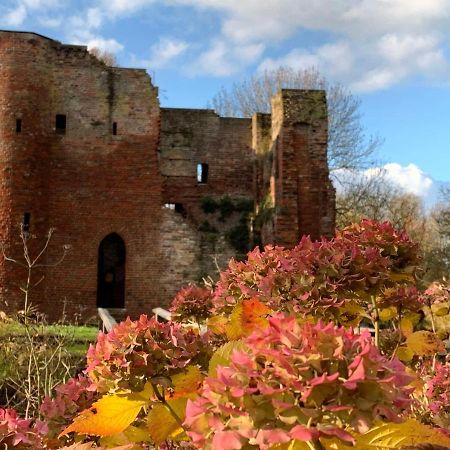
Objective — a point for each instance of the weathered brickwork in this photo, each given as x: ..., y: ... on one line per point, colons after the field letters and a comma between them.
x: 117, y: 177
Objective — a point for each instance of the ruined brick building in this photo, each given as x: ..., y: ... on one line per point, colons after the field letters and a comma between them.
x: 148, y: 198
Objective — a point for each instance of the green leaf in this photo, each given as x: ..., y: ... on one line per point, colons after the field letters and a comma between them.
x: 222, y: 356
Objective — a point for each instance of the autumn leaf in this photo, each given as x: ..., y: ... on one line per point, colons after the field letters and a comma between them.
x: 186, y: 384
x: 246, y: 317
x: 389, y: 313
x: 110, y: 415
x: 222, y: 356
x: 162, y: 423
x: 404, y: 354
x: 424, y: 343
x: 217, y: 324
x: 406, y: 326
x: 93, y: 446
x: 130, y: 435
x: 350, y: 314
x: 397, y: 435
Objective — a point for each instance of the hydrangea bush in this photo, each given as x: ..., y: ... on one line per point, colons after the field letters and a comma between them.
x: 322, y: 346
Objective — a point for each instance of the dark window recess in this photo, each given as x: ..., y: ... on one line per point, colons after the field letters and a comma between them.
x: 114, y: 128
x: 60, y: 123
x: 26, y: 222
x: 202, y: 172
x: 177, y: 207
x: 18, y: 125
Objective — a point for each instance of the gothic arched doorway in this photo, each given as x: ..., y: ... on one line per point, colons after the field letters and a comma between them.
x: 111, y: 272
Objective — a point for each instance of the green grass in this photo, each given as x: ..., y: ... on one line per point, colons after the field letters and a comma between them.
x: 79, y: 333
x: 78, y: 339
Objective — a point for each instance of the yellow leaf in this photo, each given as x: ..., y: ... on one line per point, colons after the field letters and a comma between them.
x: 406, y: 326
x: 130, y: 435
x: 397, y: 435
x: 161, y: 422
x: 424, y: 343
x: 222, y: 356
x: 292, y: 445
x: 109, y: 415
x: 350, y: 314
x: 440, y: 311
x: 414, y: 317
x: 404, y: 354
x: 186, y: 384
x: 234, y: 326
x: 93, y: 446
x: 217, y: 324
x: 387, y: 314
x: 400, y: 277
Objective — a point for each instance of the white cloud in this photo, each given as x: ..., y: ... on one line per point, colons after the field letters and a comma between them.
x: 385, y: 41
x: 223, y: 59
x: 15, y: 17
x: 367, y: 44
x: 334, y: 59
x: 411, y: 178
x: 50, y: 22
x: 120, y: 8
x: 109, y: 45
x: 165, y: 51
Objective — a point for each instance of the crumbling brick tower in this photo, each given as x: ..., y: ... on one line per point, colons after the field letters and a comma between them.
x: 149, y: 199
x: 78, y: 152
x: 292, y: 176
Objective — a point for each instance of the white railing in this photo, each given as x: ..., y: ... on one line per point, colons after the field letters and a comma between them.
x: 108, y: 321
x: 161, y: 313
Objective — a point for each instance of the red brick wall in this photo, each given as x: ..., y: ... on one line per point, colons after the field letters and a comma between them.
x: 192, y: 136
x: 89, y: 183
x: 86, y: 183
x: 301, y: 192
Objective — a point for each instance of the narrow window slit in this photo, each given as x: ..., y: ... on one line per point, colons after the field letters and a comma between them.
x: 26, y: 222
x: 60, y: 123
x: 202, y: 173
x: 114, y: 128
x: 18, y: 125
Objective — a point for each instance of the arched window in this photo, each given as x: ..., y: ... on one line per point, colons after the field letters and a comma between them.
x: 111, y: 272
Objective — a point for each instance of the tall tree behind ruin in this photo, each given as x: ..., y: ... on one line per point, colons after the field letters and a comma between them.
x: 348, y: 145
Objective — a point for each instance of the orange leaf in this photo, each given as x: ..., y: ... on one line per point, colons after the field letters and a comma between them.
x: 246, y: 317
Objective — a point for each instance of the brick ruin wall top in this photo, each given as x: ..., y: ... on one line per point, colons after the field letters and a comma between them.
x: 86, y: 149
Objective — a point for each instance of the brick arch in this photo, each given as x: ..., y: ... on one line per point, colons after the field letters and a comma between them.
x: 111, y: 272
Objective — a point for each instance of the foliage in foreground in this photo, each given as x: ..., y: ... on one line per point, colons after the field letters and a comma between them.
x: 286, y: 362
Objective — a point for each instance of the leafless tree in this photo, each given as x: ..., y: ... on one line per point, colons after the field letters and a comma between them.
x: 108, y: 58
x: 376, y: 197
x: 348, y: 145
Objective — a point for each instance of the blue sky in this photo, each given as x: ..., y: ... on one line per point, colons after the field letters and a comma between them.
x: 393, y: 54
